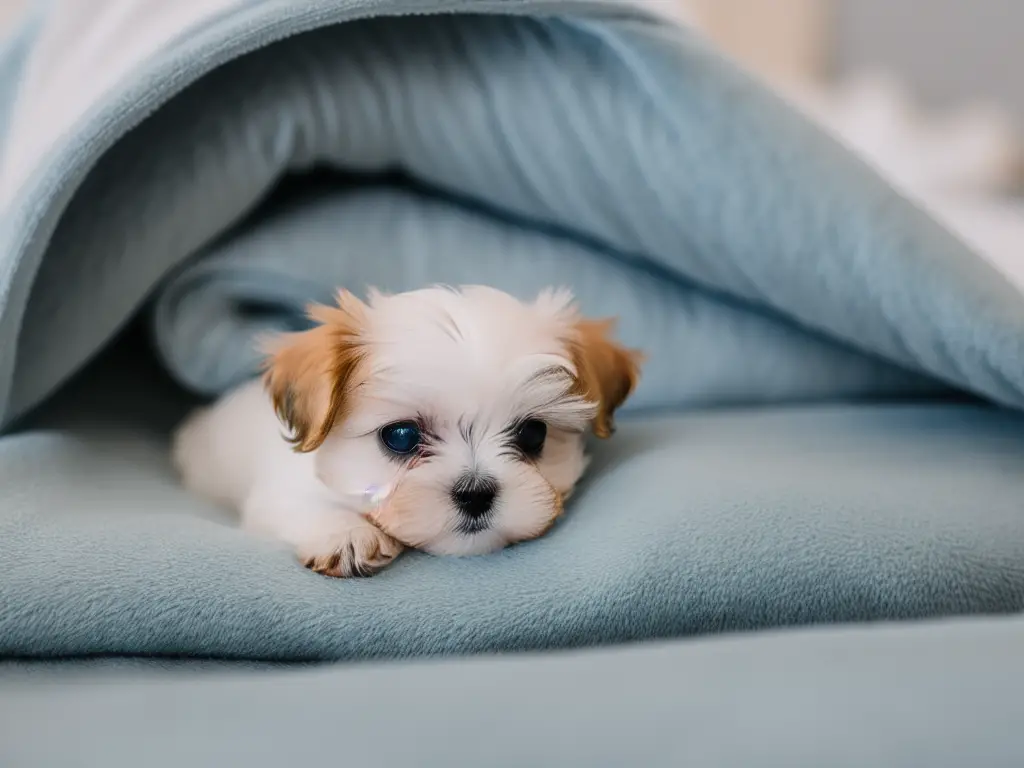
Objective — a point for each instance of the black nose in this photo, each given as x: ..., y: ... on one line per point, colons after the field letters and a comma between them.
x: 474, y: 495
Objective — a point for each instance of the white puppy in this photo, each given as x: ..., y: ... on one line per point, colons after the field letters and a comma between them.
x: 447, y: 420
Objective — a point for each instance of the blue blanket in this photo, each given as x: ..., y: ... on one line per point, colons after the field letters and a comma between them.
x: 751, y: 257
x: 235, y: 162
x: 943, y: 695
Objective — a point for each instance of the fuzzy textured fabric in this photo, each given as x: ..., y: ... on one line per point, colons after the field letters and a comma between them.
x: 685, y: 524
x: 943, y: 695
x: 520, y: 144
x: 753, y: 259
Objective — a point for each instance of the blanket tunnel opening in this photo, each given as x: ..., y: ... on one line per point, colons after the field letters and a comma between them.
x: 517, y: 152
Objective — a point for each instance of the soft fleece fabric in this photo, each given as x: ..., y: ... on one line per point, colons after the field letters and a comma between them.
x: 688, y: 524
x: 517, y: 143
x: 941, y: 694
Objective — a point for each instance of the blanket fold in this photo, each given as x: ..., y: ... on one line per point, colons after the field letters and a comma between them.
x: 708, y: 349
x: 623, y: 152
x: 240, y: 158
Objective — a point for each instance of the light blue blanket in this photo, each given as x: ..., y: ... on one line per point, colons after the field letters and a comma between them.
x: 257, y: 157
x: 745, y: 252
x: 942, y: 695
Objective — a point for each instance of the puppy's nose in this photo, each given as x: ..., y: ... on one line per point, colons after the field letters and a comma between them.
x: 474, y: 495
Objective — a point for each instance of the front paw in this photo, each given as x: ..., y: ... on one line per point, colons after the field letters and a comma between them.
x: 362, y: 550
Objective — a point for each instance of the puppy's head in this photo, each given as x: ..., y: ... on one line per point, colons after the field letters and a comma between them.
x: 471, y: 405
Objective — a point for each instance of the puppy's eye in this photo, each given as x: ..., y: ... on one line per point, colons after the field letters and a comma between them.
x: 530, y: 437
x: 402, y: 437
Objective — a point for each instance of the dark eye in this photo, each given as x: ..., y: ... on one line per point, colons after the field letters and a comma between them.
x: 530, y: 437
x: 401, y: 437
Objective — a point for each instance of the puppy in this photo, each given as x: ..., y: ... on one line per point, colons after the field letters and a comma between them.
x: 464, y: 409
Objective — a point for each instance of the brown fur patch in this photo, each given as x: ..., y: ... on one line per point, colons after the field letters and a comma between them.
x: 606, y: 372
x: 557, y: 510
x: 311, y: 375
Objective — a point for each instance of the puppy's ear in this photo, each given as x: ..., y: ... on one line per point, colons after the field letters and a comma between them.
x: 311, y: 375
x: 606, y: 372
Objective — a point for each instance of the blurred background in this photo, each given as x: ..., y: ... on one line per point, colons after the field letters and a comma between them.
x: 930, y: 92
x: 941, y: 75
x: 9, y: 9
x: 946, y: 51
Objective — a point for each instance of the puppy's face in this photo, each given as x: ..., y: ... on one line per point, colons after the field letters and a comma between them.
x: 469, y: 406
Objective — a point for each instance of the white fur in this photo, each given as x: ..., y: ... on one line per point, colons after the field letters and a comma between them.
x: 468, y: 363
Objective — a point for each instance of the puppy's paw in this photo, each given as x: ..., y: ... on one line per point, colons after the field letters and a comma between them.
x: 362, y: 550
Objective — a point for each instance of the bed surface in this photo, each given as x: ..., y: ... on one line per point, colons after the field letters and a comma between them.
x: 943, y: 695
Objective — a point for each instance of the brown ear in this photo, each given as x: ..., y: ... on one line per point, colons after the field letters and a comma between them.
x: 606, y: 372
x: 310, y: 375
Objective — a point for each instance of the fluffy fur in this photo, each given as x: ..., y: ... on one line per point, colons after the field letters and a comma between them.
x: 468, y: 368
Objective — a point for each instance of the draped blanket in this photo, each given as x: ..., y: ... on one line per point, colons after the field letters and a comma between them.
x: 209, y: 167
